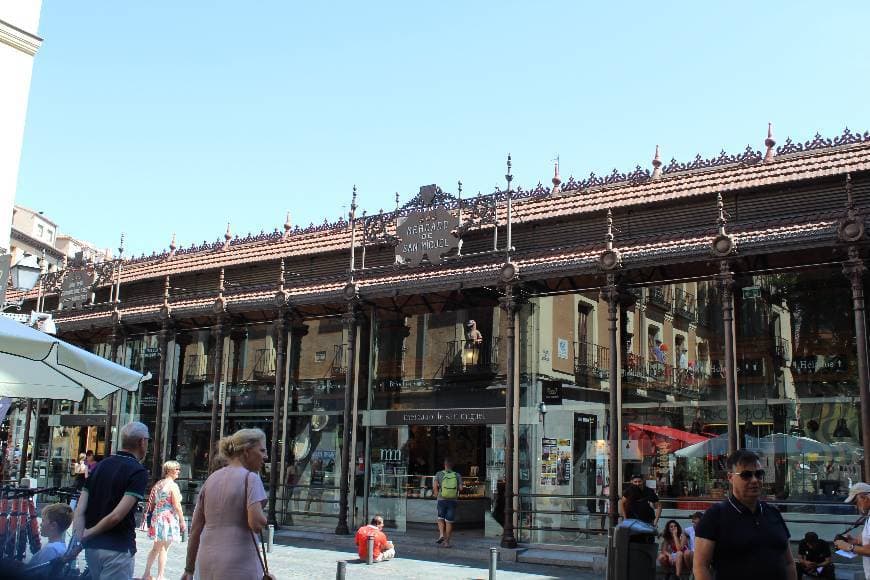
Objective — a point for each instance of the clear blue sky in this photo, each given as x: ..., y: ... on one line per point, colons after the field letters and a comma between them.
x: 159, y: 117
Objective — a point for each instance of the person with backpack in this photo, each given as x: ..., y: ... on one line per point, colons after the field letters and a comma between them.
x: 446, y: 488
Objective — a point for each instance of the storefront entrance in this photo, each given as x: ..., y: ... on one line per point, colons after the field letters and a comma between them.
x: 402, y: 464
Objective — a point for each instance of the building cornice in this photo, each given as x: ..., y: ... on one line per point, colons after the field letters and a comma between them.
x: 19, y: 39
x: 50, y: 250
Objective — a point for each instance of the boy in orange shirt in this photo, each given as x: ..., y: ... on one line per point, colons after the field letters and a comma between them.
x: 383, y: 548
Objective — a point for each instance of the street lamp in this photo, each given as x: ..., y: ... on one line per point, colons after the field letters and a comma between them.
x: 25, y: 274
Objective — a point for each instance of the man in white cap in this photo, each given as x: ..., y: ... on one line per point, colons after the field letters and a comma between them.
x: 860, y: 494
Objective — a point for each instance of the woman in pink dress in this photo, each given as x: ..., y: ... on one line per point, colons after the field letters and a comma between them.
x: 226, y: 518
x: 167, y: 518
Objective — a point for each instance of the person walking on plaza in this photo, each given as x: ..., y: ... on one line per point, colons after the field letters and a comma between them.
x: 383, y: 548
x: 80, y: 471
x: 860, y: 494
x: 229, y: 516
x: 743, y: 537
x: 446, y: 488
x: 167, y: 518
x: 104, y: 520
x: 638, y: 502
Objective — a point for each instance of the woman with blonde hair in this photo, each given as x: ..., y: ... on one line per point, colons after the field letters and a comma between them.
x: 167, y: 518
x: 229, y: 514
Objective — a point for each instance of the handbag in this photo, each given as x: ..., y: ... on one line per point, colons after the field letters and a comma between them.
x: 261, y: 549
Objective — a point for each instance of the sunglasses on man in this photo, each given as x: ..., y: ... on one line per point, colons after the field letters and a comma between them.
x: 747, y: 474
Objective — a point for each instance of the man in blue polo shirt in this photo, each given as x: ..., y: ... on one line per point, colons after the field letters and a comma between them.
x: 104, y: 519
x: 743, y: 537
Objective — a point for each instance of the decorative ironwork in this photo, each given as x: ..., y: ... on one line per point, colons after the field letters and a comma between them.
x: 819, y: 142
x: 749, y: 156
x: 478, y: 212
x: 375, y: 229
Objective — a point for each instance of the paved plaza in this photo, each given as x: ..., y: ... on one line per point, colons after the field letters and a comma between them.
x: 306, y: 560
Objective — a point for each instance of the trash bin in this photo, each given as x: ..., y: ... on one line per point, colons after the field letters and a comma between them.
x: 634, y: 551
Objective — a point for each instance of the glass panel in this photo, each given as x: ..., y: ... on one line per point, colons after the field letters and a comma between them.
x: 310, y: 495
x: 392, y: 480
x: 450, y: 359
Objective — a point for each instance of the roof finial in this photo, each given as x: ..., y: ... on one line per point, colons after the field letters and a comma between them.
x: 121, y: 247
x: 397, y: 201
x: 288, y: 224
x: 172, y: 246
x: 166, y: 291
x: 221, y: 284
x: 557, y: 180
x: 657, y: 164
x: 769, y: 143
x: 608, y: 239
x: 281, y: 276
x: 721, y: 220
x: 508, y: 176
x: 227, y: 237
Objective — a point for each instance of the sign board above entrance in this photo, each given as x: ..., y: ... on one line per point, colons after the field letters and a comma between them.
x: 427, y: 234
x: 447, y: 417
x: 75, y: 290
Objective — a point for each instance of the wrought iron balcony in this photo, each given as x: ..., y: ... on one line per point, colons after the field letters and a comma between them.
x: 590, y: 361
x: 196, y: 368
x: 634, y: 369
x: 704, y: 313
x: 264, y: 364
x: 684, y: 304
x: 338, y: 368
x: 659, y: 296
x: 464, y: 357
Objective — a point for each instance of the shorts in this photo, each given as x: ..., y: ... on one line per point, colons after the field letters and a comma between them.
x: 447, y: 510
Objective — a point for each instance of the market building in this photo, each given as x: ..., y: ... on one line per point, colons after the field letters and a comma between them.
x: 550, y: 341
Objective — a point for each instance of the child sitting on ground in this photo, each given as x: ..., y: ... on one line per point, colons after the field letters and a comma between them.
x: 56, y: 518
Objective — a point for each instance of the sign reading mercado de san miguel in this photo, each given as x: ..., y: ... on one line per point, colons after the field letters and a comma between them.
x: 426, y: 234
x: 75, y: 290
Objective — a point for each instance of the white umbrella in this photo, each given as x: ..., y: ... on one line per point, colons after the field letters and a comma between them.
x: 37, y: 365
x: 782, y: 443
x: 715, y: 446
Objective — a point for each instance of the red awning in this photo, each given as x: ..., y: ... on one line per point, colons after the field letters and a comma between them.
x: 684, y: 438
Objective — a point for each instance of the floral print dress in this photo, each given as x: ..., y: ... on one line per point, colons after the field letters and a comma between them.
x: 164, y: 519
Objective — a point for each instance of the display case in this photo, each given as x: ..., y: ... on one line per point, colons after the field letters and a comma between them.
x: 400, y: 484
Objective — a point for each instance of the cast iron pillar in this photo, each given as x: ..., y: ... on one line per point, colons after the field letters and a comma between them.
x: 508, y: 303
x: 280, y: 356
x: 611, y: 294
x: 25, y: 439
x: 116, y: 338
x: 350, y: 319
x: 218, y: 331
x: 726, y: 283
x: 854, y: 269
x: 157, y: 450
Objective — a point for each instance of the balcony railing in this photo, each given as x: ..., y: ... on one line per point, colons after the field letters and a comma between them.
x: 338, y: 368
x: 659, y: 296
x: 264, y: 364
x: 684, y: 304
x: 663, y: 376
x: 196, y: 368
x: 465, y: 357
x: 591, y: 360
x: 704, y: 313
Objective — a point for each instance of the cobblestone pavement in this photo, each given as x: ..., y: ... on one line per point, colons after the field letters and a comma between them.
x: 306, y: 560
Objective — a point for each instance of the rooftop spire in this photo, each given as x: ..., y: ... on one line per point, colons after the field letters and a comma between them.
x: 769, y: 143
x: 281, y: 276
x: 721, y: 220
x: 121, y: 247
x: 172, y: 246
x: 557, y: 180
x: 227, y: 237
x: 657, y: 164
x: 397, y: 201
x: 288, y: 224
x: 608, y: 238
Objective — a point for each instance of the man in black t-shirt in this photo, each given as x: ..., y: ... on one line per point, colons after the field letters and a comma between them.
x: 104, y: 520
x: 814, y: 558
x: 742, y: 537
x: 638, y: 502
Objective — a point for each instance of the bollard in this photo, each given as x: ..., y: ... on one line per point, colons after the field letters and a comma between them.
x: 493, y: 562
x: 270, y: 538
x: 371, y: 550
x: 341, y: 571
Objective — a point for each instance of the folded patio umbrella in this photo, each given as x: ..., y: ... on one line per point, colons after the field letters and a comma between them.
x: 37, y: 365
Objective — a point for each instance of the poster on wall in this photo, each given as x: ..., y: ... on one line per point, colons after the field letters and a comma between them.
x: 555, y: 461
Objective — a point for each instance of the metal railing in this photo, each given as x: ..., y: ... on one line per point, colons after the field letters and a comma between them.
x: 195, y: 368
x: 591, y: 360
x: 659, y: 296
x: 464, y: 357
x: 684, y: 304
x: 264, y: 364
